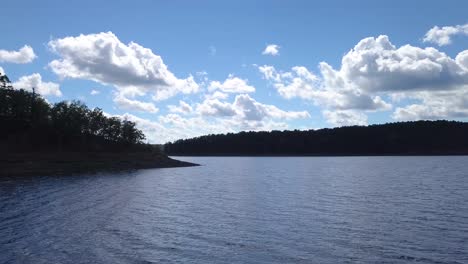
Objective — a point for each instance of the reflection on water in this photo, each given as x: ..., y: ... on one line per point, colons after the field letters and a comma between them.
x: 244, y: 210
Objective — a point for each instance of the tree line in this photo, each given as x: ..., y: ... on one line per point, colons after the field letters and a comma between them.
x: 402, y: 138
x: 30, y: 123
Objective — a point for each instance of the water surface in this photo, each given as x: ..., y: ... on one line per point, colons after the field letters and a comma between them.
x: 244, y: 210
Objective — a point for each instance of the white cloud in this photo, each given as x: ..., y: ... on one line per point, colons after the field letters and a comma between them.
x: 249, y: 109
x: 328, y: 93
x: 213, y: 117
x: 134, y: 105
x: 131, y: 68
x: 271, y: 49
x: 2, y: 72
x: 23, y: 55
x: 269, y: 72
x: 443, y: 35
x: 375, y: 69
x: 246, y: 108
x: 172, y: 127
x: 232, y: 85
x: 202, y: 78
x: 345, y: 117
x: 292, y: 84
x: 214, y: 107
x: 375, y: 64
x: 95, y: 92
x: 35, y: 81
x: 154, y: 131
x: 182, y: 108
x: 217, y: 95
x: 462, y: 60
x: 435, y: 105
x: 415, y: 112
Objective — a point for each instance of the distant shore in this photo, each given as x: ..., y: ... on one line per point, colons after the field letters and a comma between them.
x: 323, y: 155
x: 416, y: 138
x: 65, y: 163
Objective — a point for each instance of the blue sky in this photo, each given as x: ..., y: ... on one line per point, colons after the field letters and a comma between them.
x: 199, y: 67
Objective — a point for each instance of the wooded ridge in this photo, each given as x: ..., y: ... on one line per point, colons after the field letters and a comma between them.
x: 403, y: 138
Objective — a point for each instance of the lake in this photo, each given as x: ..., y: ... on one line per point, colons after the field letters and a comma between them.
x: 244, y: 210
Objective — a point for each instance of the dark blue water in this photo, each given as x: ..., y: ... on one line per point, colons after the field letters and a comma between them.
x: 244, y: 210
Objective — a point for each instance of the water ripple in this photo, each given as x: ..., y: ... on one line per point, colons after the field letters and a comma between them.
x: 244, y: 210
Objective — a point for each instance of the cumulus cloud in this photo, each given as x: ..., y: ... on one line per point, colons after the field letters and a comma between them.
x: 462, y: 60
x: 134, y: 105
x: 232, y: 85
x: 172, y: 126
x: 345, y: 117
x: 24, y: 55
x: 271, y: 49
x: 375, y: 64
x: 183, y: 108
x: 435, y: 105
x: 95, y: 92
x: 246, y: 108
x: 131, y: 68
x: 372, y: 70
x: 35, y: 81
x: 213, y: 116
x: 270, y: 73
x: 217, y: 95
x: 214, y: 107
x: 154, y: 131
x: 301, y: 83
x: 443, y: 35
x: 249, y: 109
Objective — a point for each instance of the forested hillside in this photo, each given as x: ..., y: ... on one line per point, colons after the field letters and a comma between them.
x: 29, y: 123
x: 405, y: 138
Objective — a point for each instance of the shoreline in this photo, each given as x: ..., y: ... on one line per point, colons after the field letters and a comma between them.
x: 72, y: 163
x: 321, y: 155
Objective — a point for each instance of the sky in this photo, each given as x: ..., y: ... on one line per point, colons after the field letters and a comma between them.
x: 182, y: 69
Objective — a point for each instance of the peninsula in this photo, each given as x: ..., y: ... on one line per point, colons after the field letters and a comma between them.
x: 38, y: 138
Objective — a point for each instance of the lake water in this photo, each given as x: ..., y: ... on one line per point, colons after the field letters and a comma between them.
x: 244, y: 210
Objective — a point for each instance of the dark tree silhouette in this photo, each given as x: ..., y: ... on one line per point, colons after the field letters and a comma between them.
x: 29, y: 123
x: 404, y: 138
x: 4, y: 81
